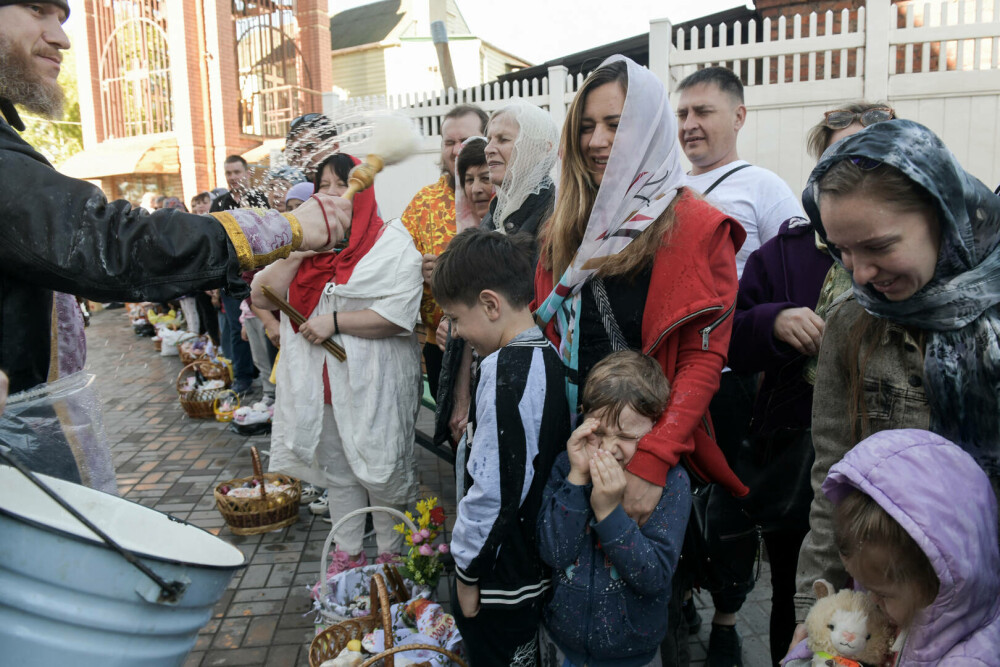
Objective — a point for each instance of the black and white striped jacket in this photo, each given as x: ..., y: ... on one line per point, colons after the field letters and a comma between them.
x: 520, y: 423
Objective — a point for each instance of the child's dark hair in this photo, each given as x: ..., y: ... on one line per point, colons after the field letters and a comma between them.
x: 341, y: 163
x: 626, y: 379
x: 478, y: 260
x: 202, y: 198
x: 859, y: 521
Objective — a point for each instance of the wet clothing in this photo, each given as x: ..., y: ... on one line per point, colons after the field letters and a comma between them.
x: 895, y: 397
x: 611, y: 578
x: 960, y: 307
x: 65, y: 236
x: 519, y: 423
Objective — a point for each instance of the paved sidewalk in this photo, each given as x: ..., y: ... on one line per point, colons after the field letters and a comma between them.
x: 172, y: 463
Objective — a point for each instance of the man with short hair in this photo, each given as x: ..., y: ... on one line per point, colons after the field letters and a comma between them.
x: 238, y: 349
x: 236, y: 170
x: 710, y: 114
x: 430, y: 219
x: 66, y: 239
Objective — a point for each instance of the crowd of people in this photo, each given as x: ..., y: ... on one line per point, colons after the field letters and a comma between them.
x: 643, y: 371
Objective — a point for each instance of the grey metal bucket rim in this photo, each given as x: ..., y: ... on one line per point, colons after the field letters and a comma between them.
x: 100, y: 543
x: 103, y: 540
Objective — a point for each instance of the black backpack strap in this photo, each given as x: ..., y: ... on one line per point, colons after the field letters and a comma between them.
x: 724, y: 177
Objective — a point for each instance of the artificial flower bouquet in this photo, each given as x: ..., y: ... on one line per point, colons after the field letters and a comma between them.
x: 421, y: 563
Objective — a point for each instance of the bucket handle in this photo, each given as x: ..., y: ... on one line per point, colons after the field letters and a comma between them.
x: 170, y: 591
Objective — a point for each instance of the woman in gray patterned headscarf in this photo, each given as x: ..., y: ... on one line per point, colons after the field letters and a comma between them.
x: 917, y: 344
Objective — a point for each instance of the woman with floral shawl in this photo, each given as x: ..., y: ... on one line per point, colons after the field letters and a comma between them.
x: 633, y: 260
x: 917, y: 343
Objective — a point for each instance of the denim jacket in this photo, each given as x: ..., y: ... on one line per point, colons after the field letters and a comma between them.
x: 611, y: 578
x: 894, y: 398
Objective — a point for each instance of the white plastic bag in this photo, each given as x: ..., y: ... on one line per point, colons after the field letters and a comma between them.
x: 56, y: 429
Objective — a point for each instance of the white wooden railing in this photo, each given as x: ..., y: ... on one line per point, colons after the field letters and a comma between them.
x: 935, y: 62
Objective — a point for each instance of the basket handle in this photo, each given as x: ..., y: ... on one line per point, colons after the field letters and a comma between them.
x: 380, y: 603
x: 389, y: 652
x: 215, y: 402
x: 181, y: 375
x: 258, y: 474
x: 333, y: 530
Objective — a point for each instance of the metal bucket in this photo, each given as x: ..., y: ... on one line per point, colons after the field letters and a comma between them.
x: 66, y: 598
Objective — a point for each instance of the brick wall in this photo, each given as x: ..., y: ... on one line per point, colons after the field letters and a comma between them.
x: 314, y: 42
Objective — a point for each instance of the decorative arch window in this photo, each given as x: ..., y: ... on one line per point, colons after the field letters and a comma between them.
x: 134, y: 67
x: 273, y: 78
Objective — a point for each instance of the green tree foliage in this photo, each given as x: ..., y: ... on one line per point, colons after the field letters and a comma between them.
x: 57, y: 140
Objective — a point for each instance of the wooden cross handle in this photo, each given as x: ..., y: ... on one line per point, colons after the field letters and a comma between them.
x: 295, y: 316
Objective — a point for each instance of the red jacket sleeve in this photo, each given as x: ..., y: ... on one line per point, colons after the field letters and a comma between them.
x: 701, y: 348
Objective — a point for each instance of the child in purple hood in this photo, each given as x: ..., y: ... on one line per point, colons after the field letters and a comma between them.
x: 916, y: 526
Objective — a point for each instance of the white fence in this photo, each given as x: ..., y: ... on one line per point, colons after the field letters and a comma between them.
x: 937, y: 63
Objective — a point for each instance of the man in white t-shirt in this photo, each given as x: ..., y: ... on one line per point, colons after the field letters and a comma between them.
x: 710, y: 114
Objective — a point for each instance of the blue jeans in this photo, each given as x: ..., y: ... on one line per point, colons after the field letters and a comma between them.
x: 238, y: 349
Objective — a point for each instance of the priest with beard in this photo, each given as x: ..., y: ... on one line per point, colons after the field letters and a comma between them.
x: 66, y: 239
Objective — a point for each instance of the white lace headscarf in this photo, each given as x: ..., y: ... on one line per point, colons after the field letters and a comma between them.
x: 529, y: 169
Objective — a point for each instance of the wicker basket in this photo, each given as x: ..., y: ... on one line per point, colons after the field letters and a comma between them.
x: 221, y: 414
x: 199, y: 404
x: 392, y: 575
x: 186, y: 356
x: 329, y: 643
x: 252, y: 516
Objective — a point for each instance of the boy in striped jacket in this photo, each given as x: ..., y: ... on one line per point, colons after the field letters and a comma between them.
x: 518, y: 423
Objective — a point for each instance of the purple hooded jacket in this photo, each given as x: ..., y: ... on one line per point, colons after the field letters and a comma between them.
x: 944, y: 500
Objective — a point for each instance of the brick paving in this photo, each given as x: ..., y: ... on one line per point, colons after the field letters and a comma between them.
x: 172, y: 463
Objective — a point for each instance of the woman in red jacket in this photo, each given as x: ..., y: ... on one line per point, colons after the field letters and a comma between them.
x: 643, y: 264
x: 631, y: 259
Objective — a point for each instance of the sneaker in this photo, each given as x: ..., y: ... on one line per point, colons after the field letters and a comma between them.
x: 242, y: 386
x: 309, y: 494
x: 321, y: 505
x: 691, y: 617
x: 725, y: 647
x: 386, y: 557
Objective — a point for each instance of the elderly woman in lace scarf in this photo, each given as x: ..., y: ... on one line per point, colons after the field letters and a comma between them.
x: 521, y: 151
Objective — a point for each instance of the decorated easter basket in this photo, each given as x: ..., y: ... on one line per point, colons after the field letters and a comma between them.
x: 264, y: 511
x: 225, y: 405
x: 200, y: 403
x: 186, y: 348
x: 329, y: 643
x: 333, y: 594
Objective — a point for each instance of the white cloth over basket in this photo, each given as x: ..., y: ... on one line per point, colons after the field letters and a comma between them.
x: 375, y: 392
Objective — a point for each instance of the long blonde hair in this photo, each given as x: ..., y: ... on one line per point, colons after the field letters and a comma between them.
x: 564, y: 231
